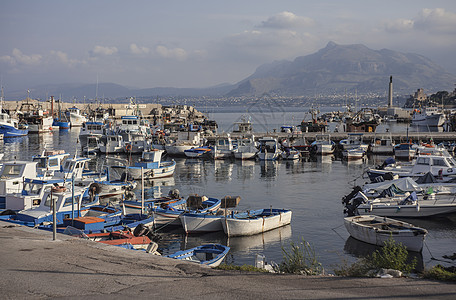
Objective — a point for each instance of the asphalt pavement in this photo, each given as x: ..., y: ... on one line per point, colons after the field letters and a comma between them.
x: 34, y: 266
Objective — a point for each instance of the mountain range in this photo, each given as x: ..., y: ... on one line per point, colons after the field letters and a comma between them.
x: 334, y: 69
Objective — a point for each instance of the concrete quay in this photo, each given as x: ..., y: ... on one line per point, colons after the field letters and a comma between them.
x: 437, y: 137
x: 33, y: 266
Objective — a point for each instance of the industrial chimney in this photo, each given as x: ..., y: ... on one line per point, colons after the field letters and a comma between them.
x: 390, y: 93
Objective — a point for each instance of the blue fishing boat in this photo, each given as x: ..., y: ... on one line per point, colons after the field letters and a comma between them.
x: 10, y: 128
x: 68, y: 204
x: 197, y: 152
x: 210, y: 255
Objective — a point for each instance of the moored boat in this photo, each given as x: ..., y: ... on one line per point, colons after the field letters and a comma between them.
x: 210, y: 255
x: 377, y: 230
x: 255, y: 221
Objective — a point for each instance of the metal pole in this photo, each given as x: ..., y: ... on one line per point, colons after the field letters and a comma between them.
x: 72, y: 200
x: 142, y: 191
x: 54, y: 218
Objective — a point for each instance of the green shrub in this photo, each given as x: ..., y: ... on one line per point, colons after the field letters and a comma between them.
x: 245, y: 268
x: 391, y: 256
x: 441, y: 273
x: 300, y: 259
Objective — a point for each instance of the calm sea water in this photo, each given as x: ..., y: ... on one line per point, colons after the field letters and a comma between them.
x: 311, y: 188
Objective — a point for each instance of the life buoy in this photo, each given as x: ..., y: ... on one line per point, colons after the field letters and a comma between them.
x: 128, y: 147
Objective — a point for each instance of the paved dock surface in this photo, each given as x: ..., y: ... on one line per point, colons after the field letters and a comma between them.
x: 33, y: 266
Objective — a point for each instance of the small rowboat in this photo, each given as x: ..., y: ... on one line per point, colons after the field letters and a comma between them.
x: 255, y: 221
x: 210, y: 255
x: 376, y: 230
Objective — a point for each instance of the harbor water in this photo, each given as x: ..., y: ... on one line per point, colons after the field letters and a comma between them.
x: 311, y: 187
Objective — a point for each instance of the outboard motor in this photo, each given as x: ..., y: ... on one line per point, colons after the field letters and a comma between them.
x: 346, y: 199
x: 174, y: 193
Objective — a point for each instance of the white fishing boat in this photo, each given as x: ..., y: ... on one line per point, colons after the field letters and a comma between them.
x: 269, y: 149
x: 323, y: 145
x: 411, y: 206
x: 210, y: 221
x: 377, y: 230
x: 354, y: 140
x: 246, y: 148
x: 353, y: 153
x: 112, y: 143
x: 430, y: 116
x: 383, y: 145
x: 255, y: 221
x: 201, y: 222
x: 441, y: 166
x: 406, y: 151
x: 290, y: 154
x: 75, y: 116
x: 91, y: 128
x: 223, y: 148
x: 12, y: 176
x: 185, y: 140
x: 38, y: 119
x: 150, y: 166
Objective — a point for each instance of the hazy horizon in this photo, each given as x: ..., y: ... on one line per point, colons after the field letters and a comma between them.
x: 198, y: 44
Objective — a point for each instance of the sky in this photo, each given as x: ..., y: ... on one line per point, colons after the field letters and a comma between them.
x: 202, y: 43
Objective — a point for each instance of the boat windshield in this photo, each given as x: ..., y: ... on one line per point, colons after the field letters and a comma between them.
x: 32, y: 188
x: 48, y: 201
x: 11, y: 170
x: 451, y: 162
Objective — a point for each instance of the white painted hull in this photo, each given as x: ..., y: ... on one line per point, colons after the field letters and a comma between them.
x: 45, y: 126
x: 409, y: 211
x: 244, y: 155
x: 359, y: 229
x: 177, y: 150
x: 241, y: 227
x: 205, y: 223
x: 325, y: 149
x: 77, y: 120
x: 435, y: 120
x: 268, y: 155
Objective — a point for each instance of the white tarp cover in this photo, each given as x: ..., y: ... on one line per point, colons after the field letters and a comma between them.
x: 405, y: 184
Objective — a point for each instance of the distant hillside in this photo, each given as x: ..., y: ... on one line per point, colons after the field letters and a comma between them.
x: 69, y: 92
x: 331, y: 70
x: 353, y: 67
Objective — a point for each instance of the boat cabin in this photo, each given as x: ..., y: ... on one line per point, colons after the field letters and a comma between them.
x: 50, y: 161
x: 12, y: 177
x: 31, y: 194
x: 437, y: 165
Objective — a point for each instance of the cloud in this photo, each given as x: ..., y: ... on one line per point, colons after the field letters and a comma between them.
x: 436, y: 20
x: 399, y: 25
x: 135, y: 49
x: 63, y: 58
x: 286, y: 20
x: 101, y: 50
x: 175, y: 53
x: 18, y: 58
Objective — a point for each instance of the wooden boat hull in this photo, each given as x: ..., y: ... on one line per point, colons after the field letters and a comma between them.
x: 245, y: 225
x: 198, y: 223
x: 210, y: 255
x: 377, y: 230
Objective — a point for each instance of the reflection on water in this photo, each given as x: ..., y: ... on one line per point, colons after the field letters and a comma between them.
x: 268, y: 169
x: 311, y: 187
x: 361, y: 249
x: 248, y: 244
